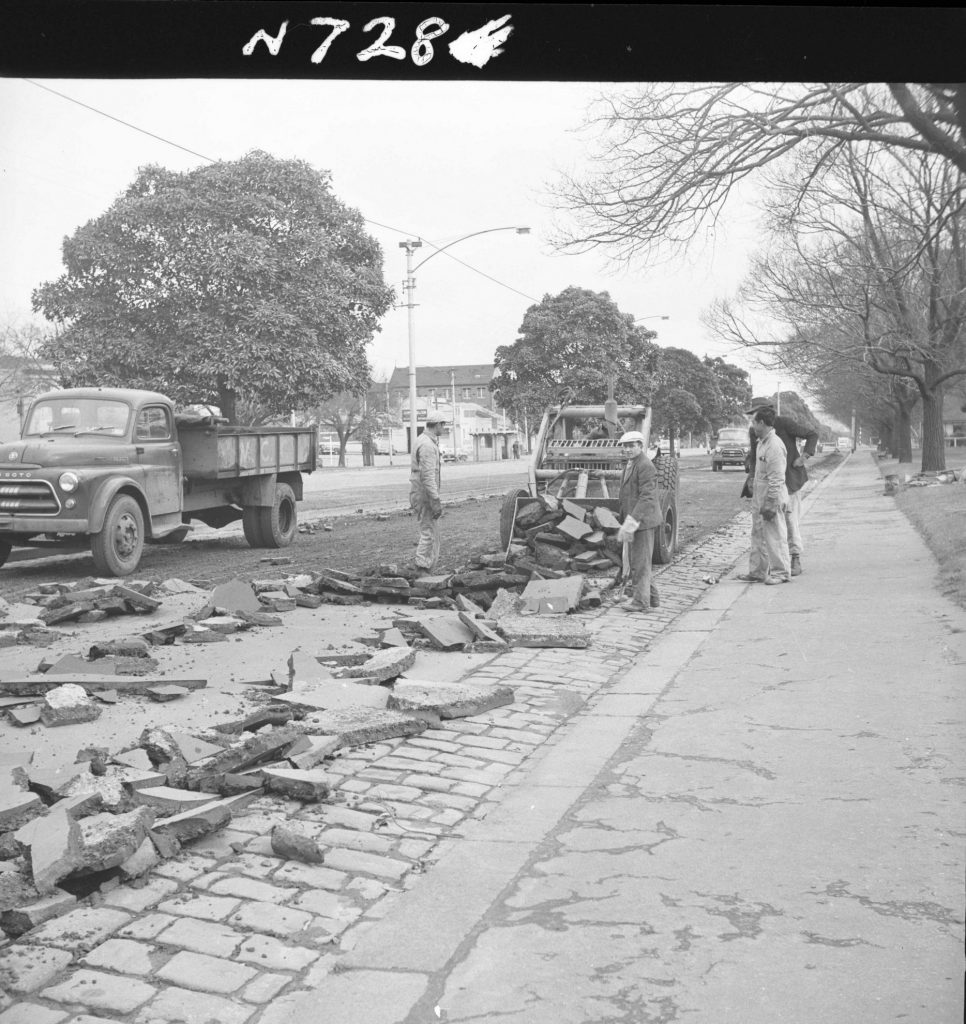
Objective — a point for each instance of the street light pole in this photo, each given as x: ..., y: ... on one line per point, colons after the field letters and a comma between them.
x: 410, y: 285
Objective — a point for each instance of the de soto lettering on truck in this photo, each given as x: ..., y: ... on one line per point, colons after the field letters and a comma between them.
x: 120, y: 468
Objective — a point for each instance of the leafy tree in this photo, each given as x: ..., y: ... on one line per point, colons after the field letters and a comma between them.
x: 342, y: 415
x: 673, y: 154
x: 686, y: 395
x: 734, y: 391
x: 577, y: 340
x: 246, y: 279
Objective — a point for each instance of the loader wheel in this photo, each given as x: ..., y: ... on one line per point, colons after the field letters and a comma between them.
x: 278, y: 523
x: 507, y: 513
x: 666, y: 535
x: 118, y: 547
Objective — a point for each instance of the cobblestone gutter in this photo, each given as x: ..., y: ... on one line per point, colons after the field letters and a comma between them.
x: 227, y: 930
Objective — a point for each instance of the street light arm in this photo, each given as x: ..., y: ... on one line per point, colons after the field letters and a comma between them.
x: 485, y: 231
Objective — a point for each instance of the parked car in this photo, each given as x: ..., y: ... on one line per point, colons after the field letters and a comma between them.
x: 384, y: 447
x: 731, y: 448
x: 448, y: 455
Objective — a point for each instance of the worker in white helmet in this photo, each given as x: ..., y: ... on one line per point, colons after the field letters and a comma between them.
x: 640, y: 510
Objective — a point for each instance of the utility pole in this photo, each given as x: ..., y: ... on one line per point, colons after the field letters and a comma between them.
x: 456, y: 438
x: 410, y: 285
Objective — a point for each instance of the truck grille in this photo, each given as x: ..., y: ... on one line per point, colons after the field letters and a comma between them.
x: 585, y: 453
x: 29, y: 497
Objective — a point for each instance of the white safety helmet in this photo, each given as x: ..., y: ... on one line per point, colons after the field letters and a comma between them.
x: 631, y: 436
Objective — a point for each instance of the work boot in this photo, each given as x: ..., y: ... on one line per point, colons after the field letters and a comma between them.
x: 796, y: 565
x: 655, y: 598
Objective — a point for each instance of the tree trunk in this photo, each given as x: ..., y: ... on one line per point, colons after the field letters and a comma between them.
x: 933, y: 449
x: 227, y: 398
x: 902, y: 432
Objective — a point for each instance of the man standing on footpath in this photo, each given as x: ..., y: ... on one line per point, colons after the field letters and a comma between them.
x: 769, y: 560
x: 789, y: 431
x: 424, y: 480
x: 640, y: 510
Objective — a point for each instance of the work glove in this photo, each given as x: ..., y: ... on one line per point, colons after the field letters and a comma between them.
x: 437, y: 508
x: 628, y: 529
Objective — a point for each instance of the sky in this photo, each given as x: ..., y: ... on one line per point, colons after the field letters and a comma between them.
x: 437, y: 160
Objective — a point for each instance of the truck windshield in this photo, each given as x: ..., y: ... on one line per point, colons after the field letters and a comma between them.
x: 738, y: 434
x: 78, y: 416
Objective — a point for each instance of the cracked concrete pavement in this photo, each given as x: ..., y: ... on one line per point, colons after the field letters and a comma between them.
x: 745, y: 806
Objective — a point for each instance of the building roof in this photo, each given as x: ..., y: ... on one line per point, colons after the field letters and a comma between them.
x: 479, y: 374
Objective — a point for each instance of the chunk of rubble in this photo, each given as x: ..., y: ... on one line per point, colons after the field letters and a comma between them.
x: 293, y: 842
x: 167, y: 692
x: 167, y: 800
x: 68, y: 705
x: 313, y: 752
x: 548, y: 597
x: 51, y: 846
x: 357, y: 726
x: 144, y: 858
x: 308, y: 785
x: 543, y: 631
x: 17, y: 807
x: 448, y: 700
x: 19, y: 920
x: 481, y: 631
x: 193, y: 823
x: 15, y: 889
x: 107, y: 840
x: 233, y: 597
x: 131, y: 647
x: 328, y: 694
x: 259, y: 749
x: 382, y: 666
x: 447, y: 632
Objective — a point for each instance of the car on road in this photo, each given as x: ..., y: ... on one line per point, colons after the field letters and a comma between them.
x: 448, y: 455
x: 731, y: 448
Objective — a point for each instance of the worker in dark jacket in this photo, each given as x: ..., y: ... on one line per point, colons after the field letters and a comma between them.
x: 640, y: 509
x: 789, y: 432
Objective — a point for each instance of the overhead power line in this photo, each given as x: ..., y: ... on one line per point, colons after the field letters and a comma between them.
x: 212, y: 160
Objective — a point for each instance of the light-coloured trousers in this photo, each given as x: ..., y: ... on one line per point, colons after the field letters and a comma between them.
x: 793, y: 511
x: 427, y: 548
x: 640, y: 551
x: 769, y: 546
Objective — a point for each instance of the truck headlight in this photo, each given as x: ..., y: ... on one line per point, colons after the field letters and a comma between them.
x: 68, y: 482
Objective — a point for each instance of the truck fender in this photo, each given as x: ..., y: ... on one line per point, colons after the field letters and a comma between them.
x: 107, y: 493
x: 260, y: 490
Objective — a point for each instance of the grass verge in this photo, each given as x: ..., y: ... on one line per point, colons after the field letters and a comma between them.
x: 939, y: 515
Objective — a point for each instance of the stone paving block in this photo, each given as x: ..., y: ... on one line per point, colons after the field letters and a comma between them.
x: 275, y: 954
x: 264, y: 987
x: 431, y: 783
x: 251, y: 889
x: 270, y: 919
x: 352, y: 840
x: 99, y: 991
x: 434, y: 743
x: 139, y: 899
x: 201, y: 937
x: 448, y: 700
x: 80, y: 930
x: 205, y: 908
x: 32, y: 1013
x: 190, y: 1007
x: 146, y: 927
x: 333, y: 906
x: 355, y: 861
x: 449, y: 801
x: 18, y: 920
x: 384, y: 791
x: 311, y: 874
x: 185, y: 867
x: 123, y: 955
x: 24, y: 969
x: 206, y: 973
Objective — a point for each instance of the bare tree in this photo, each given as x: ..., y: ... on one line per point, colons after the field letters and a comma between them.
x: 867, y: 268
x: 672, y: 154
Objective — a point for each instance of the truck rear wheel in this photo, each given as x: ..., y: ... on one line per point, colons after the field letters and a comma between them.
x: 252, y: 528
x: 666, y: 535
x: 278, y: 523
x: 510, y: 503
x: 117, y: 548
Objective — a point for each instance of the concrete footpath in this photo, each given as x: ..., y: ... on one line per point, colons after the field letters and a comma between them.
x: 760, y: 821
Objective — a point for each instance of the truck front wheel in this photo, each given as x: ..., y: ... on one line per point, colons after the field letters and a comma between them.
x: 278, y: 523
x: 117, y: 548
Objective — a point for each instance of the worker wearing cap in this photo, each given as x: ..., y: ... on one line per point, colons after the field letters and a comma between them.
x: 789, y: 433
x: 640, y: 510
x: 424, y: 490
x: 769, y: 560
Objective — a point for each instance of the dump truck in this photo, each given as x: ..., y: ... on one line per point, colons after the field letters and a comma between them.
x: 572, y: 460
x: 120, y: 467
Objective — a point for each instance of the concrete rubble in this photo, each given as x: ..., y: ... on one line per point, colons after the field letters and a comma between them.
x: 115, y: 814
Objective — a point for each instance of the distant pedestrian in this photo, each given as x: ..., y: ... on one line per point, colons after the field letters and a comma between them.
x: 769, y: 561
x: 516, y: 449
x: 424, y: 484
x: 640, y: 511
x: 790, y: 432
